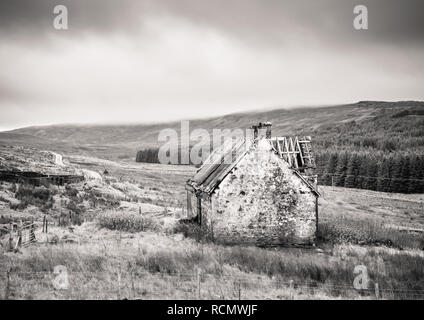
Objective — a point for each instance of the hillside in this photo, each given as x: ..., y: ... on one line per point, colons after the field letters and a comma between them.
x: 377, y: 119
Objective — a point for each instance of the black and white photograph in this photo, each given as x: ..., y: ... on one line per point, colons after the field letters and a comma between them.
x: 229, y: 152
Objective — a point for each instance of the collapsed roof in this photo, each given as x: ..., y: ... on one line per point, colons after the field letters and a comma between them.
x: 297, y: 152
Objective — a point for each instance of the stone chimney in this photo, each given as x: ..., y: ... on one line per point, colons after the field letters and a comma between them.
x: 263, y: 129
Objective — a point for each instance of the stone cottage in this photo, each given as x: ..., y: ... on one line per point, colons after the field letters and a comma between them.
x: 265, y: 195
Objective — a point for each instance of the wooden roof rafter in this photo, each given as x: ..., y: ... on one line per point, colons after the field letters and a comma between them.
x: 297, y: 152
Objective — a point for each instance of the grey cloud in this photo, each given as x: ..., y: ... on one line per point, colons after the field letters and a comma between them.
x: 256, y: 21
x: 34, y: 19
x: 272, y: 20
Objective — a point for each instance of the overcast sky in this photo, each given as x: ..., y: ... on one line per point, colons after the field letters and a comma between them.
x: 157, y: 60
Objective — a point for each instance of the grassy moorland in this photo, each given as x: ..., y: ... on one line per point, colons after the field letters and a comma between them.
x: 147, y: 265
x: 137, y: 250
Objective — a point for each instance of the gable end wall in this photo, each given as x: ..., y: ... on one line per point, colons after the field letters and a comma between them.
x: 262, y: 202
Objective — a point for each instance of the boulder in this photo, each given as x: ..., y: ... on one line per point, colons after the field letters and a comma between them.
x: 69, y: 238
x: 47, y: 238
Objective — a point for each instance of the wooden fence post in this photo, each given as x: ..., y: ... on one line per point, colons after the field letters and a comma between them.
x: 45, y: 224
x: 132, y: 285
x: 377, y: 291
x: 119, y: 284
x: 291, y: 290
x: 7, y: 289
x: 10, y: 236
x: 198, y: 282
x: 20, y: 229
x: 32, y: 231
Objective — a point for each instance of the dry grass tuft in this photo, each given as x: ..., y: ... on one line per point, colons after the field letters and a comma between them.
x: 367, y: 232
x: 127, y: 221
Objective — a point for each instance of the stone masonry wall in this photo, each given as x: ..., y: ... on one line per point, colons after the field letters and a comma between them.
x: 262, y: 201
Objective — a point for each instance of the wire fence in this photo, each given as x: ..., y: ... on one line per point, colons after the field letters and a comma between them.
x: 137, y: 284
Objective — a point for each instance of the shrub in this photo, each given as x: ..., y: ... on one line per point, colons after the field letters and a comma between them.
x: 189, y: 229
x: 127, y: 221
x: 13, y: 187
x: 70, y: 191
x: 170, y: 262
x: 40, y: 193
x: 366, y: 232
x: 75, y: 207
x: 3, y: 199
x: 96, y: 197
x: 41, y: 197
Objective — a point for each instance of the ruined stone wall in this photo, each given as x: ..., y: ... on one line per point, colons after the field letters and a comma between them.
x: 262, y: 201
x: 191, y: 205
x: 206, y: 207
x: 206, y: 212
x: 38, y: 179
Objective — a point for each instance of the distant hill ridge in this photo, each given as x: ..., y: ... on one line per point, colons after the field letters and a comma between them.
x: 285, y: 122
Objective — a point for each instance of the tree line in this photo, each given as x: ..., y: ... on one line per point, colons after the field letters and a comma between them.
x: 395, y: 172
x: 151, y: 155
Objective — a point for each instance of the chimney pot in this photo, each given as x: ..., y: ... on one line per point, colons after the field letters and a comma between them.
x: 262, y: 126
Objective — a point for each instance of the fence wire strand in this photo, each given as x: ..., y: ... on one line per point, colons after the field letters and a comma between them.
x: 133, y: 281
